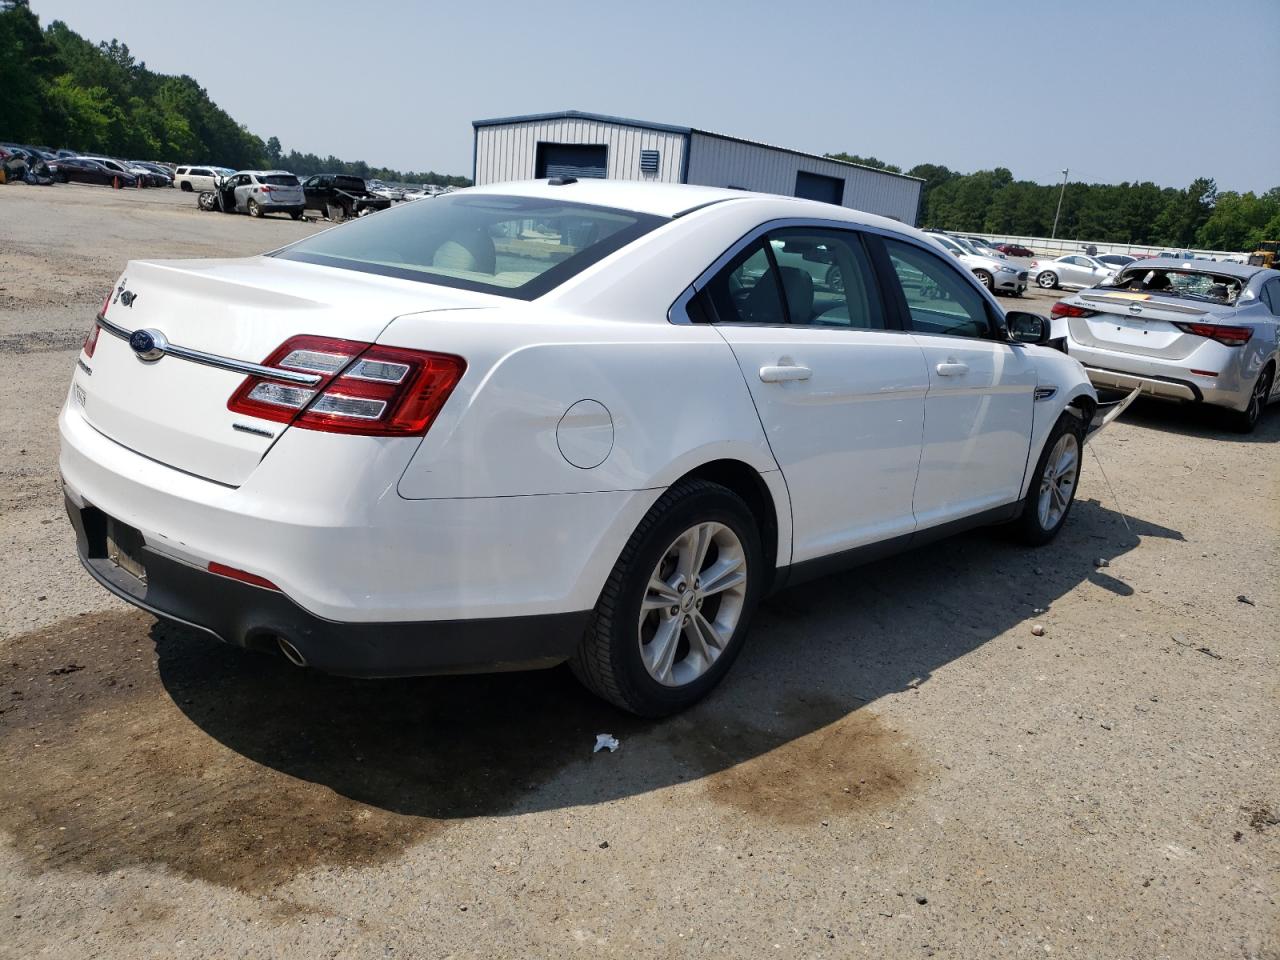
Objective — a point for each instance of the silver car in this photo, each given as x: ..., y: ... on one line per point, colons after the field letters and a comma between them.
x: 256, y: 192
x: 1178, y: 330
x: 1073, y: 271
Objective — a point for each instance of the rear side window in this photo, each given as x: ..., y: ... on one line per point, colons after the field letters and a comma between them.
x: 1271, y: 296
x: 518, y: 247
x: 280, y: 180
x: 939, y: 300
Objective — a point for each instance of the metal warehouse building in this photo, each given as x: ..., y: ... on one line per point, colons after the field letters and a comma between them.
x: 577, y: 144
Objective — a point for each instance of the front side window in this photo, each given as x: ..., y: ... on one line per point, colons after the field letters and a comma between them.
x: 939, y: 299
x: 512, y: 246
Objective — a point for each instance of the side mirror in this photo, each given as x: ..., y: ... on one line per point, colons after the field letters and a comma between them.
x: 1027, y: 327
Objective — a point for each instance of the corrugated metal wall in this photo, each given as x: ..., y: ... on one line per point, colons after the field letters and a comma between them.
x: 717, y: 162
x: 509, y: 151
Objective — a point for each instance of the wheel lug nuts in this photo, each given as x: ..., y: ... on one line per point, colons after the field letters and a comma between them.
x: 681, y: 588
x: 675, y: 611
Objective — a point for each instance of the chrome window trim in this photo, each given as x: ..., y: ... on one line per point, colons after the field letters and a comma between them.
x: 214, y: 360
x: 678, y: 313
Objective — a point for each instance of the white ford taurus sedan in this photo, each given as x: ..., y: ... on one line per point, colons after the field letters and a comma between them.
x: 548, y: 421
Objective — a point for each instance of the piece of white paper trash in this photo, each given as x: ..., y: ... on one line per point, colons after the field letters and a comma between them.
x: 605, y: 741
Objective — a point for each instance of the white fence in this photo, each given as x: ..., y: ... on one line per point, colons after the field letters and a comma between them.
x: 1063, y: 245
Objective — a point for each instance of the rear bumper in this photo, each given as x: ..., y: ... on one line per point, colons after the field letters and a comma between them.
x: 1171, y: 379
x: 255, y: 617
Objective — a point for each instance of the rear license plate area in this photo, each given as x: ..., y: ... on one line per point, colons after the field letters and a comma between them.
x: 124, y: 548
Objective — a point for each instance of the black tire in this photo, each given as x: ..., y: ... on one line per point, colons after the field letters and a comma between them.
x: 1247, y: 420
x: 985, y: 279
x: 834, y: 278
x: 1047, y: 280
x: 608, y: 661
x: 1029, y: 527
x: 254, y: 209
x: 207, y: 201
x: 296, y: 214
x: 186, y: 186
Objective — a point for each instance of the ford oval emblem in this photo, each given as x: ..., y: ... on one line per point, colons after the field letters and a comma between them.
x: 147, y: 345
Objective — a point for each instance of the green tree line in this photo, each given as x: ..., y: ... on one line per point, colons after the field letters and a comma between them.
x: 58, y: 89
x: 991, y: 201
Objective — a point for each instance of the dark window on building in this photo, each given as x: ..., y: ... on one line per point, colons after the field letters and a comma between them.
x: 572, y: 160
x: 814, y: 186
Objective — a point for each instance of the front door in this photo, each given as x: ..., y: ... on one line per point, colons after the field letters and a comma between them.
x: 978, y: 409
x: 840, y: 395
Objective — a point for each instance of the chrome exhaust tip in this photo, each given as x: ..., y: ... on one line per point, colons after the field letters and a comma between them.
x: 291, y: 653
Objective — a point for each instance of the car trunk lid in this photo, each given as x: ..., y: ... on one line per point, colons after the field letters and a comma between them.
x: 1141, y: 324
x: 174, y: 410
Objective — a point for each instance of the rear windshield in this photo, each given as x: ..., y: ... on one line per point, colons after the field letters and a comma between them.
x: 348, y: 183
x: 1189, y: 284
x: 279, y: 179
x: 513, y: 246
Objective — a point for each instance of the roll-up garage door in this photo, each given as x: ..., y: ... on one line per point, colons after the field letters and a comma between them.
x: 572, y: 160
x: 814, y: 186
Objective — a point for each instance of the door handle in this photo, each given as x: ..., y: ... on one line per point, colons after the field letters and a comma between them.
x: 952, y: 369
x: 781, y: 374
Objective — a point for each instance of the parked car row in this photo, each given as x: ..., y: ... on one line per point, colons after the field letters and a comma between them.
x: 66, y: 166
x: 335, y: 196
x: 991, y: 267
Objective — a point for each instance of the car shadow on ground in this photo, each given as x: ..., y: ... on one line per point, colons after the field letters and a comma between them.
x: 124, y: 741
x: 483, y: 745
x: 1199, y: 420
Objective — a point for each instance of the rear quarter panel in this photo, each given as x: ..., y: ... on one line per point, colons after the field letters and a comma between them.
x: 674, y: 394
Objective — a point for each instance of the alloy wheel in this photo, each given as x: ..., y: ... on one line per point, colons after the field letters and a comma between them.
x: 1058, y: 482
x: 693, y: 604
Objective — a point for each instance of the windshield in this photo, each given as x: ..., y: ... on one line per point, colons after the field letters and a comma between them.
x: 1191, y: 284
x: 512, y: 246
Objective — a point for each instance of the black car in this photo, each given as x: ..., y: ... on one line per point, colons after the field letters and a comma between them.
x: 159, y: 176
x: 84, y: 170
x: 338, y: 196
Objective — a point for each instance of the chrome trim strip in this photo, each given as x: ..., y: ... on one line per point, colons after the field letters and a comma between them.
x: 256, y: 431
x: 221, y: 363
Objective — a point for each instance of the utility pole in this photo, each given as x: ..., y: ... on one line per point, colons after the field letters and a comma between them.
x: 1054, y: 235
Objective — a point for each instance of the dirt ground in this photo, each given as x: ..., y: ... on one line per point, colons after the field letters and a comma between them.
x: 896, y: 767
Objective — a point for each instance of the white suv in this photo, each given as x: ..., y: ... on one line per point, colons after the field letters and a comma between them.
x: 199, y: 178
x: 535, y: 422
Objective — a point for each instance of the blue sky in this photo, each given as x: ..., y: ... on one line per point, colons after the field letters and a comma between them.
x: 1028, y: 85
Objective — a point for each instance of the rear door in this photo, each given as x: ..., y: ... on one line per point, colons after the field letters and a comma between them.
x: 839, y: 392
x: 978, y: 410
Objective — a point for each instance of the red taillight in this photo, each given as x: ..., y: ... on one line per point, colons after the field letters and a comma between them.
x: 91, y: 341
x: 265, y: 189
x: 231, y: 573
x: 1061, y: 309
x: 1231, y: 336
x: 363, y: 389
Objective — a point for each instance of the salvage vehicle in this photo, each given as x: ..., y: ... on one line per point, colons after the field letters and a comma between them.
x: 255, y: 192
x: 998, y: 276
x: 588, y: 421
x: 338, y: 196
x: 84, y: 170
x: 1182, y: 331
x: 1072, y: 271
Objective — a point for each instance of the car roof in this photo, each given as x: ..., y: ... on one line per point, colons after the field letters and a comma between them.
x: 674, y: 199
x: 265, y: 173
x: 1227, y: 268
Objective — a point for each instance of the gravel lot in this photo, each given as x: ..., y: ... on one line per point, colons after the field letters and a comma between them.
x: 897, y: 766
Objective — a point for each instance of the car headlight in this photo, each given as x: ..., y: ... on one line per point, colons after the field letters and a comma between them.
x: 1005, y: 268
